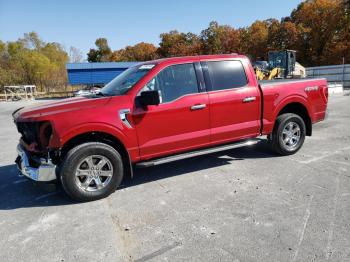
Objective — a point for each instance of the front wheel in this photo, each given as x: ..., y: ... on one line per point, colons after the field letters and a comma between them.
x: 91, y: 171
x: 288, y: 135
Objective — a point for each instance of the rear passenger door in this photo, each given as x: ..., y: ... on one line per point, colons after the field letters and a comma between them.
x: 234, y: 102
x: 181, y: 121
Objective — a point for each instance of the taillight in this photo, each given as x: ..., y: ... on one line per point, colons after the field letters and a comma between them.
x: 325, y: 93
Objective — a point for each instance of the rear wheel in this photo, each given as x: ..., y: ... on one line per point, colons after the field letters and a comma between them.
x: 288, y: 135
x: 91, y: 171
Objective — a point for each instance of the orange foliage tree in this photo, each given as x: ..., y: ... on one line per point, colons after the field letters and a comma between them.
x: 179, y: 44
x: 319, y: 30
x: 139, y: 52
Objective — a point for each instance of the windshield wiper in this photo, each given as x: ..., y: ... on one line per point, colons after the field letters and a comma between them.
x: 101, y: 94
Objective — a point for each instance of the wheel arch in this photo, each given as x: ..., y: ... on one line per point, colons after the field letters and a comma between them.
x: 299, y: 109
x: 102, y: 137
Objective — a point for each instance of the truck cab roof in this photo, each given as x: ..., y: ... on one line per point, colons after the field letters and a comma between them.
x: 185, y: 59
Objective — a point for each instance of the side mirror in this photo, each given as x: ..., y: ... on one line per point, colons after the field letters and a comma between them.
x: 148, y: 98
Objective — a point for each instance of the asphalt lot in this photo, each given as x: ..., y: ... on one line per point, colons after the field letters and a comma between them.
x: 241, y: 205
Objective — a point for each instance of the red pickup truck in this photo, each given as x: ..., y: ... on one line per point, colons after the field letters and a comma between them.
x: 162, y: 111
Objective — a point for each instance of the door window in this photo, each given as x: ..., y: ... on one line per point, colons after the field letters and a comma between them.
x: 226, y: 75
x: 174, y: 82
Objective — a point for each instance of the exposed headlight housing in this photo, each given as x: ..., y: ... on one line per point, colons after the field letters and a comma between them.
x: 36, y: 135
x: 45, y: 133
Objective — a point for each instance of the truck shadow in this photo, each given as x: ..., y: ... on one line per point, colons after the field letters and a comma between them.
x: 18, y: 192
x: 149, y: 174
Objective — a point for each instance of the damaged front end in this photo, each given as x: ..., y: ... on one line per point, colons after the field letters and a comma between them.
x: 42, y: 171
x: 34, y: 157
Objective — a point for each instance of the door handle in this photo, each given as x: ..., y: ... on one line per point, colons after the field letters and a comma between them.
x: 198, y: 107
x: 249, y: 99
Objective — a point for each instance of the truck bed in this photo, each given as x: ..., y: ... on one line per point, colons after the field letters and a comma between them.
x: 312, y: 93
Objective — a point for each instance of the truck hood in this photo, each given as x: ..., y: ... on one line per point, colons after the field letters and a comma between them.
x: 45, y: 110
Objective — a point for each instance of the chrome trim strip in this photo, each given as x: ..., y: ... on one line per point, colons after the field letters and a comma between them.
x: 123, y: 117
x: 264, y: 83
x: 197, y: 153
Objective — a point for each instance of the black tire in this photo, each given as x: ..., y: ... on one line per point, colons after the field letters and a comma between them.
x: 73, y: 160
x: 276, y: 138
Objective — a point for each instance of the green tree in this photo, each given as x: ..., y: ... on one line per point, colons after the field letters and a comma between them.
x: 102, y: 53
x: 211, y: 38
x: 55, y: 52
x: 29, y: 60
x: 2, y: 48
x: 31, y: 40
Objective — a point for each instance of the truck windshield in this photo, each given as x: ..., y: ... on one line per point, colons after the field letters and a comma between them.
x: 126, y: 80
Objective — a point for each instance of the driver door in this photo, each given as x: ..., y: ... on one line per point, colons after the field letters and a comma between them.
x: 181, y: 121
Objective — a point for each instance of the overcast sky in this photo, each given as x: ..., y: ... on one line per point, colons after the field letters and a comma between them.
x: 79, y: 22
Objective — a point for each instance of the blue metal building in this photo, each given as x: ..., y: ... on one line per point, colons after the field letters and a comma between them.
x: 95, y: 73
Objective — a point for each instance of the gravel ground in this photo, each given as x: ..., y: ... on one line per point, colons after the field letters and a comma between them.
x: 241, y: 205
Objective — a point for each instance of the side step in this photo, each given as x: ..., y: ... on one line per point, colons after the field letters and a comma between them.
x: 201, y: 152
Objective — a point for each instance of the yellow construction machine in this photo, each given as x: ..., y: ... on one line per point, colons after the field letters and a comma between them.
x: 267, y: 74
x: 280, y: 65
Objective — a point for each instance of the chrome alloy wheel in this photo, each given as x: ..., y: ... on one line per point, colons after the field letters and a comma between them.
x: 94, y: 173
x: 291, y: 135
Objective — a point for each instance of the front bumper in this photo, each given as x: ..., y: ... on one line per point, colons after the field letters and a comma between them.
x: 45, y: 172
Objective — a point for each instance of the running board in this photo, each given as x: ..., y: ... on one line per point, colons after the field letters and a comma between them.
x: 201, y: 152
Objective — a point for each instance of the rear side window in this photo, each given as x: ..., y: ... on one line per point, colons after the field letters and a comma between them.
x: 226, y: 75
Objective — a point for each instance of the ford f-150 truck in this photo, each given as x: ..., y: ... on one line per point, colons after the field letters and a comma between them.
x: 161, y: 111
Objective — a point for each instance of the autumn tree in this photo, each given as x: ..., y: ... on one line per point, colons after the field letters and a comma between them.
x: 289, y: 35
x: 320, y: 23
x: 174, y: 43
x: 255, y: 39
x: 220, y: 39
x: 340, y: 47
x: 139, y: 52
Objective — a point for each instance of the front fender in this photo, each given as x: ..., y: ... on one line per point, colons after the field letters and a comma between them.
x: 63, y: 138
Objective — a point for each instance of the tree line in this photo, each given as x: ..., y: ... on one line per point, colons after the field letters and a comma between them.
x: 29, y: 60
x: 319, y: 30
